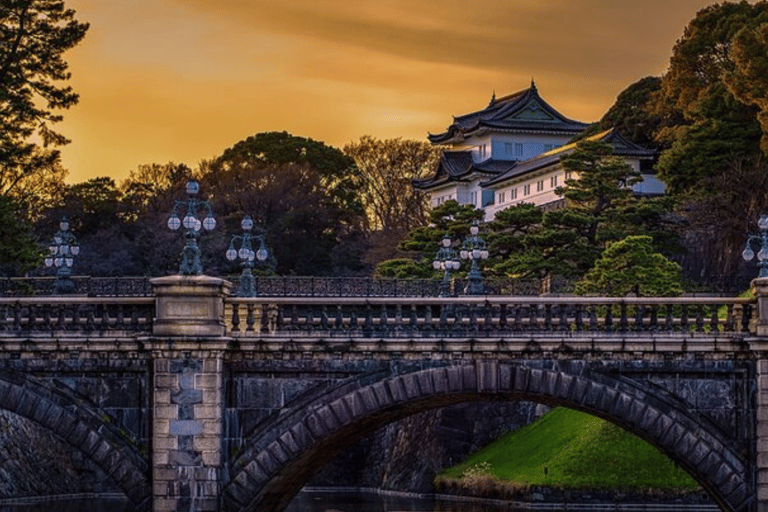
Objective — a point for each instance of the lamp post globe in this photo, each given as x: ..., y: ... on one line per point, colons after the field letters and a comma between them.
x: 446, y: 260
x: 62, y: 257
x: 474, y: 249
x: 190, y: 254
x: 758, y: 241
x: 247, y: 256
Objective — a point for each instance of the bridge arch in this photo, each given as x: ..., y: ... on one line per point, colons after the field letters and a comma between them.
x: 80, y: 425
x: 284, y: 453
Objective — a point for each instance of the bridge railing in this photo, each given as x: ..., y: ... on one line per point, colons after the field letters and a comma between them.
x: 485, y: 316
x: 41, y: 315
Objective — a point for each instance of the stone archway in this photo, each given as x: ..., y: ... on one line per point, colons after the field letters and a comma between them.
x: 283, y: 454
x: 80, y: 425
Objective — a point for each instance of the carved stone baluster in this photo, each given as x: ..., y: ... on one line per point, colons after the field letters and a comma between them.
x: 427, y: 328
x: 383, y: 320
x: 338, y: 324
x: 669, y: 321
x: 120, y: 318
x: 17, y: 317
x: 609, y: 318
x: 235, y: 317
x: 593, y: 325
x: 639, y: 317
x: 684, y: 319
x: 473, y: 327
x: 105, y: 319
x: 324, y: 318
x: 503, y: 317
x: 443, y: 317
x: 579, y: 322
x: 533, y: 324
x: 31, y: 317
x: 413, y: 322
x: 46, y: 325
x: 250, y: 316
x: 398, y: 320
x: 714, y: 321
x: 700, y: 318
x: 90, y: 323
x: 488, y: 321
x: 519, y: 317
x: 368, y: 327
x: 623, y: 321
x: 729, y: 319
x: 295, y: 323
x: 654, y: 325
x: 3, y: 317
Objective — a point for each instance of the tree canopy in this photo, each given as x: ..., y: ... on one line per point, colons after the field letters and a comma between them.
x: 34, y: 34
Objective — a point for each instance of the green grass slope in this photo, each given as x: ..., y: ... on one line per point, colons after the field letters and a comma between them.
x: 572, y: 450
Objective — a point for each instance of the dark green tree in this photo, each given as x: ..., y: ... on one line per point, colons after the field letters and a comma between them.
x: 34, y: 34
x: 632, y: 266
x: 422, y: 243
x: 599, y: 208
x: 703, y: 126
x: 303, y: 194
x: 633, y: 113
x: 19, y: 252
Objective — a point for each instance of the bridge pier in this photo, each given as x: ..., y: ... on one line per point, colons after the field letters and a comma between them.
x: 188, y: 364
x: 760, y: 347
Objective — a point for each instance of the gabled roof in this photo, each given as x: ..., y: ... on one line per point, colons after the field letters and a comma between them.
x: 621, y: 147
x: 523, y: 111
x: 458, y: 166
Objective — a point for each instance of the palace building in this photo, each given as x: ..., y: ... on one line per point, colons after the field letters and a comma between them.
x: 510, y: 153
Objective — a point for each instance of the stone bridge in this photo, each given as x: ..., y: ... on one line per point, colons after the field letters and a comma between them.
x: 192, y: 400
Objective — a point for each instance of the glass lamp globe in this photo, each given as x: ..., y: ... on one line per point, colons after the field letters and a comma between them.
x: 763, y: 222
x: 58, y: 261
x: 192, y: 187
x: 68, y: 261
x: 251, y: 255
x: 209, y: 223
x: 246, y: 224
x: 748, y: 254
x: 64, y: 225
x: 262, y: 254
x: 189, y: 222
x: 231, y: 254
x: 484, y: 254
x: 446, y: 241
x: 763, y: 254
x: 464, y: 254
x: 48, y: 262
x: 474, y: 230
x: 436, y: 265
x: 476, y: 254
x: 54, y: 249
x: 243, y: 253
x: 174, y: 223
x: 455, y: 265
x: 197, y: 225
x: 75, y: 250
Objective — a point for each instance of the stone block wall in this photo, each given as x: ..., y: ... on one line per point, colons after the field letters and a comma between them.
x: 187, y: 431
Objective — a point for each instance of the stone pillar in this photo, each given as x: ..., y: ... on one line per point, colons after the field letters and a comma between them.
x: 188, y: 400
x: 759, y: 345
x: 189, y: 306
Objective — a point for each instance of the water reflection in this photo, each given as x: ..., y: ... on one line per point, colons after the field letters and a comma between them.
x: 75, y: 505
x: 353, y: 501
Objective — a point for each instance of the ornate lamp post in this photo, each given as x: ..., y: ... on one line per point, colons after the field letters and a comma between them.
x: 63, y: 251
x: 474, y: 248
x: 446, y: 260
x: 190, y: 255
x: 247, y: 256
x: 762, y: 239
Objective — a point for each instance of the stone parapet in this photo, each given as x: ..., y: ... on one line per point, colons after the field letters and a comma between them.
x: 189, y: 306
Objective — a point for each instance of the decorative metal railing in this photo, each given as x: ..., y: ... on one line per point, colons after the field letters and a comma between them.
x: 84, y: 286
x: 76, y: 314
x: 485, y: 316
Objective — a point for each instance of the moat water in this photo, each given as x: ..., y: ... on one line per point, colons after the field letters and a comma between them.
x: 360, y: 501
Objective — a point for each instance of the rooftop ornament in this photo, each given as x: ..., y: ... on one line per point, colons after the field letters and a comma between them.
x: 762, y: 240
x: 474, y: 249
x: 247, y: 256
x: 190, y: 255
x: 446, y: 260
x: 63, y: 251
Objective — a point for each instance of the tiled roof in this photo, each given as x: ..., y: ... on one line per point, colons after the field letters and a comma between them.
x: 621, y: 147
x: 523, y: 111
x: 457, y: 165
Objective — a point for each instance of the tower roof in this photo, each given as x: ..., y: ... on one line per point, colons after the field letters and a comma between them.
x: 523, y: 111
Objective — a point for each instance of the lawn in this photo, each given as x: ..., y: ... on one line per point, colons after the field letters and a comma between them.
x: 572, y: 450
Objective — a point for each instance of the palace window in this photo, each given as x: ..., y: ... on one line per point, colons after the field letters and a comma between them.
x: 527, y: 190
x: 553, y: 181
x: 539, y: 185
x: 509, y: 149
x: 501, y: 197
x: 513, y: 194
x: 519, y: 149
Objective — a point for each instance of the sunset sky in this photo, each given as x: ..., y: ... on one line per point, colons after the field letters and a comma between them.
x: 181, y: 80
